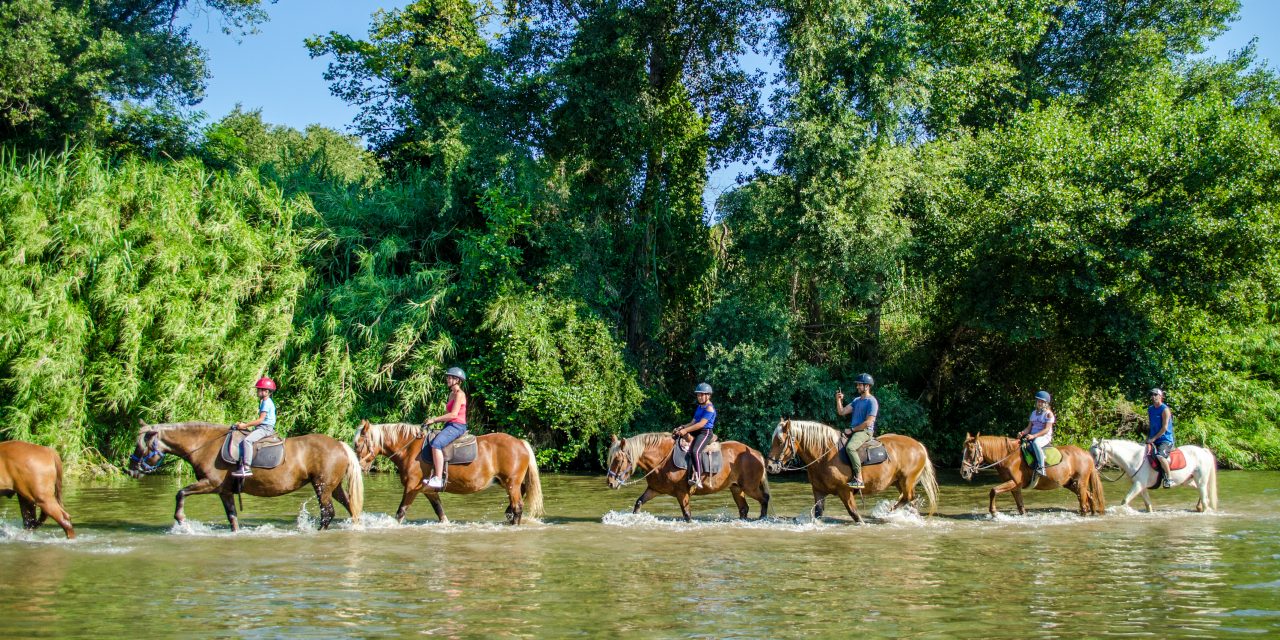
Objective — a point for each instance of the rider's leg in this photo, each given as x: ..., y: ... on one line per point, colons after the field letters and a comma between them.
x: 246, y: 449
x: 699, y: 443
x: 855, y: 442
x: 1162, y: 458
x: 448, y: 434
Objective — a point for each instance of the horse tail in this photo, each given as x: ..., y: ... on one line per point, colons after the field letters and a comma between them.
x: 57, y: 480
x: 532, y: 485
x: 1095, y: 490
x: 1213, y: 481
x: 928, y: 481
x: 355, y: 483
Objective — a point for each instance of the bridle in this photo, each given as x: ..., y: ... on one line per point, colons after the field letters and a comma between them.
x: 621, y: 476
x: 973, y: 467
x: 1101, y: 459
x: 153, y: 451
x: 790, y: 452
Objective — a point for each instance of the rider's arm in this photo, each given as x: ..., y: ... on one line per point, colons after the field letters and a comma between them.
x: 262, y: 415
x: 457, y: 401
x: 691, y: 427
x: 865, y: 424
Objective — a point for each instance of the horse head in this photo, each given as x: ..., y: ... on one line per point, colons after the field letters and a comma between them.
x: 971, y: 456
x: 621, y: 466
x: 1101, y: 453
x: 363, y: 445
x: 782, y: 447
x: 148, y: 454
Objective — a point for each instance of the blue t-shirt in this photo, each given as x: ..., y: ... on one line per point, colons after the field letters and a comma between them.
x: 1155, y: 415
x: 863, y: 407
x: 707, y: 411
x: 268, y: 407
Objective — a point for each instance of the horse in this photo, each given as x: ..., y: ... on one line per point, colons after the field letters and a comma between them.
x: 314, y: 459
x: 743, y: 472
x: 817, y: 446
x: 34, y: 474
x: 1076, y: 471
x: 1201, y: 470
x: 499, y: 456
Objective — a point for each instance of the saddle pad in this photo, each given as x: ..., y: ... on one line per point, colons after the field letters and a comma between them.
x: 872, y: 452
x: 460, y: 451
x: 712, y: 460
x: 268, y: 452
x: 1177, y: 461
x: 1051, y: 456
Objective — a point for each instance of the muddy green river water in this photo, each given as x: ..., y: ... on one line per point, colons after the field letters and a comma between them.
x: 591, y: 569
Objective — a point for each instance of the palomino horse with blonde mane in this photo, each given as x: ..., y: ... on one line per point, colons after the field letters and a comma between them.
x: 34, y: 474
x: 742, y: 472
x: 818, y: 448
x: 499, y: 456
x: 1076, y: 471
x: 314, y: 459
x: 1201, y: 471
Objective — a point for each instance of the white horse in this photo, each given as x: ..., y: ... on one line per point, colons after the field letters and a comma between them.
x: 1131, y: 457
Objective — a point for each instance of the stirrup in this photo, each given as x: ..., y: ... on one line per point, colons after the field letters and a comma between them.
x: 855, y: 484
x: 434, y: 483
x: 1168, y: 483
x: 242, y: 472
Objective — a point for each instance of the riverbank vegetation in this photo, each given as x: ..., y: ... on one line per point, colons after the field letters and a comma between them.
x: 971, y: 201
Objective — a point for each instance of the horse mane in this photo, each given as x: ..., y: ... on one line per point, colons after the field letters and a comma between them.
x: 995, y: 441
x: 389, y: 434
x: 813, y: 437
x: 636, y: 444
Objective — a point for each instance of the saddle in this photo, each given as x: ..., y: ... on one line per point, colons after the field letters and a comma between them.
x: 268, y: 452
x: 712, y: 460
x: 1051, y: 456
x: 872, y: 452
x: 460, y: 451
x: 1177, y: 462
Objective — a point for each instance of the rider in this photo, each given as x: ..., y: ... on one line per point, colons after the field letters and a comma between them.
x: 1039, y: 431
x: 704, y: 420
x: 264, y: 425
x: 862, y: 426
x: 455, y: 419
x: 1160, y: 432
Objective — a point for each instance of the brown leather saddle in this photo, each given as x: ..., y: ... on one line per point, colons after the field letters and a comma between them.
x: 460, y: 451
x: 268, y: 452
x: 871, y: 452
x: 712, y: 460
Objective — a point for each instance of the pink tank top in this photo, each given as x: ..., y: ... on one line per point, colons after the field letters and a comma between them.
x: 462, y: 412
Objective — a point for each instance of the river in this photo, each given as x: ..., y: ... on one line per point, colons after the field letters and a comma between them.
x: 591, y: 569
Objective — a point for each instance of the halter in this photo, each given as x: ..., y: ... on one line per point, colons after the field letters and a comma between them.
x: 972, y: 467
x: 1101, y: 460
x: 622, y: 476
x: 153, y: 452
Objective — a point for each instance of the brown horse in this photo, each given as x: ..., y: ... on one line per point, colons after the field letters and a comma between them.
x: 34, y: 474
x: 818, y: 447
x: 314, y: 459
x: 742, y: 472
x: 1076, y: 471
x: 499, y: 456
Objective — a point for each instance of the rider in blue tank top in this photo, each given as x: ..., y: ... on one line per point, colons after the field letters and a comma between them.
x: 1160, y: 431
x: 704, y: 420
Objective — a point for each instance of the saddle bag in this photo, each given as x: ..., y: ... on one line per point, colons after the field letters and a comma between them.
x: 712, y: 460
x: 872, y: 452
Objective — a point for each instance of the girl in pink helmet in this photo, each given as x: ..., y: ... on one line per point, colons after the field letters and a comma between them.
x: 264, y: 425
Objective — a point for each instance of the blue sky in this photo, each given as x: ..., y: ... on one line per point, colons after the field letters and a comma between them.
x: 271, y: 70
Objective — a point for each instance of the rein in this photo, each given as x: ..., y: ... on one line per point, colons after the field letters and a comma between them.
x: 631, y: 468
x: 147, y: 468
x: 974, y: 468
x: 791, y: 446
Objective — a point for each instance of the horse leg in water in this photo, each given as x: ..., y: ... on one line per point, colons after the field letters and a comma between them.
x: 438, y: 507
x: 28, y: 509
x: 515, y: 506
x: 341, y: 497
x: 1082, y: 494
x: 906, y: 492
x: 819, y: 504
x: 850, y: 500
x: 229, y: 503
x: 49, y: 507
x: 644, y: 497
x: 1011, y: 485
x: 194, y: 489
x: 743, y: 507
x: 683, y: 498
x: 406, y: 500
x: 324, y: 495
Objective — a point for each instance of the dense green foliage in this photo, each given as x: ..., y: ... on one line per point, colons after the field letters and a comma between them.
x: 971, y: 200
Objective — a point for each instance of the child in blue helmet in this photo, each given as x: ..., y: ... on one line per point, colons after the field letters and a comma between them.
x: 1039, y: 431
x: 704, y: 420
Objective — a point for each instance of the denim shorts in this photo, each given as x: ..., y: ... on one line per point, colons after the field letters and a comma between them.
x: 451, y: 431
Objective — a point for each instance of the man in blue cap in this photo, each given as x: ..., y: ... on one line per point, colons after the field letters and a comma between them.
x: 862, y: 425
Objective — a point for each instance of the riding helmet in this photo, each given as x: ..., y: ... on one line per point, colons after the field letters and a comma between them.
x: 457, y: 373
x: 1043, y: 395
x: 702, y: 388
x: 265, y: 383
x: 865, y: 378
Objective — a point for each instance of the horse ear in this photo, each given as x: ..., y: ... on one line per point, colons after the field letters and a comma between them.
x: 615, y: 438
x: 622, y: 442
x: 786, y: 425
x: 142, y: 423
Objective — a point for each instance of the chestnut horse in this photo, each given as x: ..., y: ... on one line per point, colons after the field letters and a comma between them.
x: 314, y: 459
x: 742, y: 472
x: 818, y: 447
x: 1076, y: 471
x: 499, y: 456
x: 34, y: 474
